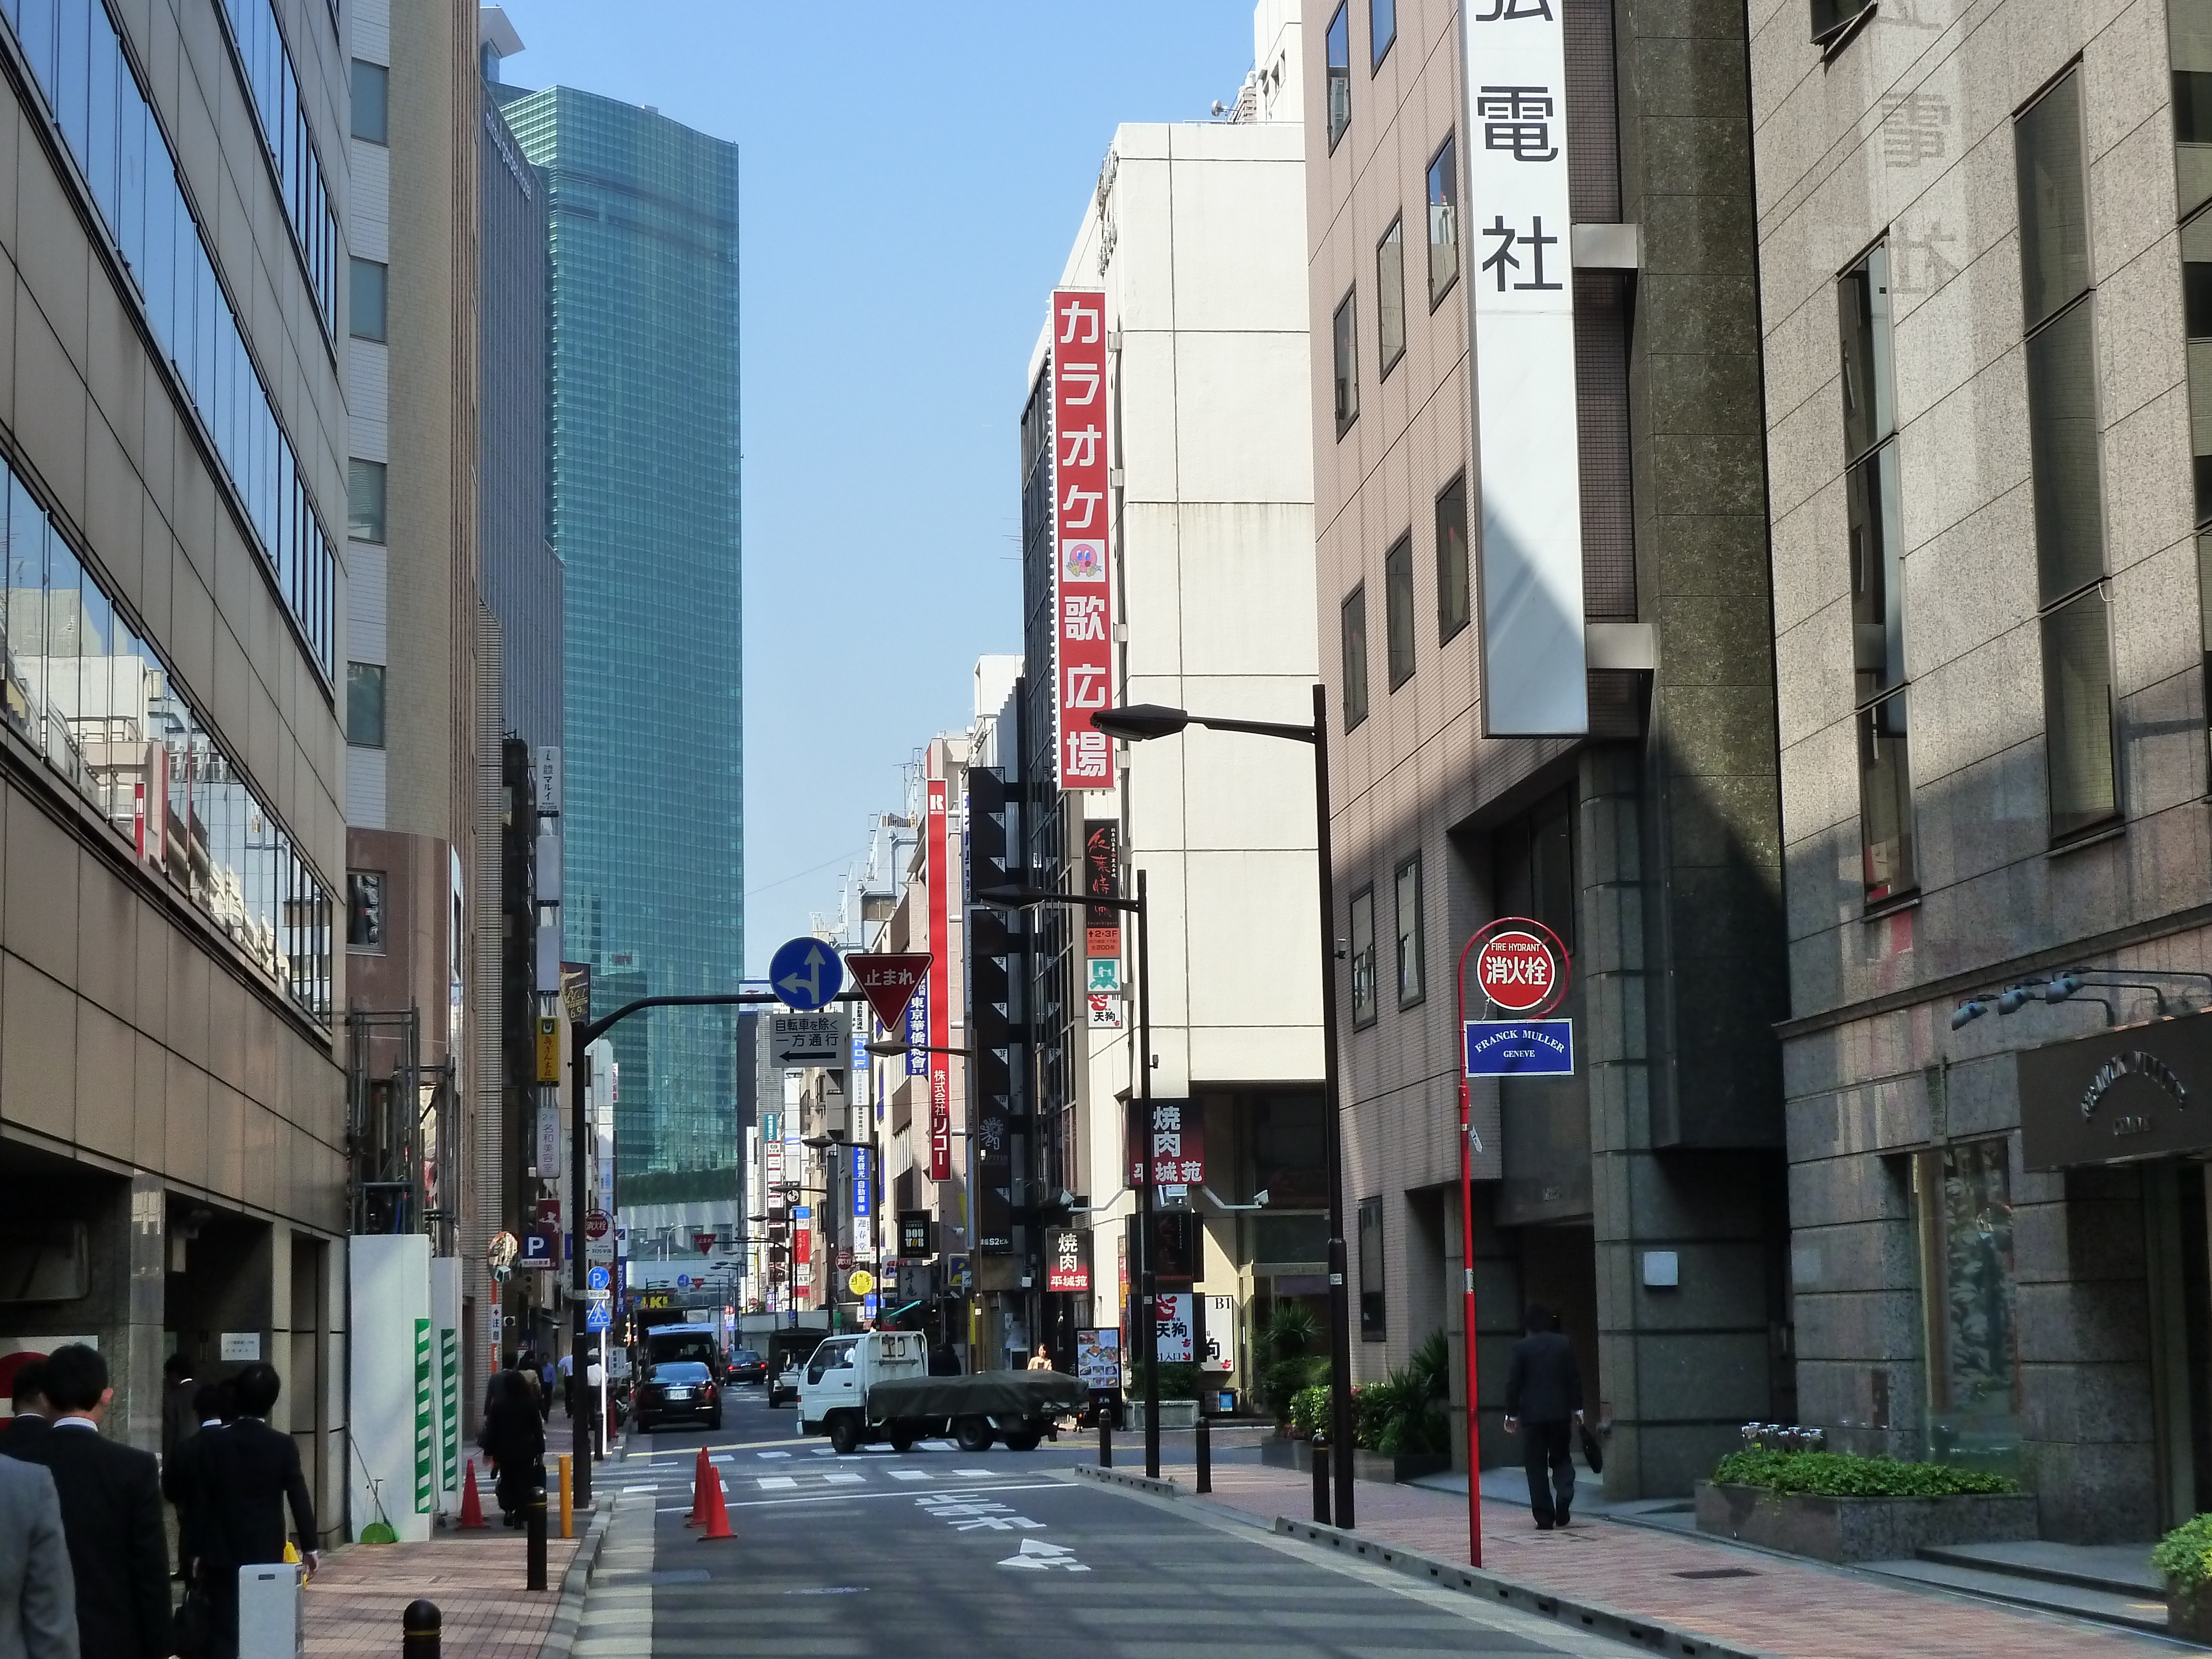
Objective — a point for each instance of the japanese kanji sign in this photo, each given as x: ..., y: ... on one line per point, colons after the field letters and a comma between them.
x: 1102, y: 874
x: 1178, y: 1143
x: 938, y: 875
x: 1174, y: 1328
x: 1083, y: 590
x: 1066, y: 1259
x: 889, y: 981
x: 1521, y: 297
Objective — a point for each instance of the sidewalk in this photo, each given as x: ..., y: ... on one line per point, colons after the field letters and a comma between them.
x: 1772, y: 1604
x: 354, y: 1604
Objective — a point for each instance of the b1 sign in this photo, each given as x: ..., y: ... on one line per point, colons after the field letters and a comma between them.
x: 1521, y: 1047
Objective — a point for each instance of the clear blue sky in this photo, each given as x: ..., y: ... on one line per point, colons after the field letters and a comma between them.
x: 913, y: 176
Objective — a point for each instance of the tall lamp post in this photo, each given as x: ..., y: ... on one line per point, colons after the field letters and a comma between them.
x: 1139, y: 721
x: 1023, y: 897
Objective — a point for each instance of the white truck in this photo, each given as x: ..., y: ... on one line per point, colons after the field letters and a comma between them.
x: 875, y: 1386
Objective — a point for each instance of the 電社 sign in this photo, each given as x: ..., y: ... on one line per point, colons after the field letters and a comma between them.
x: 1522, y: 301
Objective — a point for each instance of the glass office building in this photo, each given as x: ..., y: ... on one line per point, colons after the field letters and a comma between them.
x: 643, y: 489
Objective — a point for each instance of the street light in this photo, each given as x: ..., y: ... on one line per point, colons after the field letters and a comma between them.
x: 1023, y: 897
x: 1139, y: 721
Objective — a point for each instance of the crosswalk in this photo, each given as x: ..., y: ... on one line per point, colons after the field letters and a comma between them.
x: 776, y: 1474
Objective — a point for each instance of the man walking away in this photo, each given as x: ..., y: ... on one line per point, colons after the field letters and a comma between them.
x: 37, y: 1596
x: 33, y: 1410
x: 252, y: 1472
x: 568, y: 1369
x: 185, y: 1475
x: 178, y: 1419
x: 1543, y: 1402
x: 111, y: 1498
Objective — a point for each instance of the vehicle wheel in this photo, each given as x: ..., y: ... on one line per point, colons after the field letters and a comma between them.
x: 973, y: 1433
x: 844, y: 1435
x: 901, y: 1439
x: 1023, y: 1440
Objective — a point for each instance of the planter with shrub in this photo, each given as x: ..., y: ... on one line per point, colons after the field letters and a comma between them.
x: 1835, y: 1506
x: 2183, y: 1560
x: 1401, y: 1429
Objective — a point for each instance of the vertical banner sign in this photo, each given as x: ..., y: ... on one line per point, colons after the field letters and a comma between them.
x: 426, y: 1444
x: 1535, y: 677
x: 1101, y: 924
x: 940, y: 877
x: 864, y: 1209
x: 1177, y: 1144
x: 917, y: 1032
x: 1083, y: 588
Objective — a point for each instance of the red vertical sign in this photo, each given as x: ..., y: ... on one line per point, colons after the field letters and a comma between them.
x: 1083, y: 583
x: 938, y: 874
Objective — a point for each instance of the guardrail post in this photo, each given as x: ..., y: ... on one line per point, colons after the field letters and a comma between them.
x: 1205, y: 1454
x: 1321, y: 1461
x: 534, y: 1516
x: 420, y: 1626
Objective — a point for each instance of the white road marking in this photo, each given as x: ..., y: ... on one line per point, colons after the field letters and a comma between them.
x: 972, y: 1475
x: 909, y: 1474
x: 846, y: 1480
x: 774, y: 1454
x: 777, y: 1483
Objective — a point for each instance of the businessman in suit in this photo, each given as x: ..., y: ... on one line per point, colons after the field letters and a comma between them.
x: 251, y: 1472
x: 28, y: 1402
x: 37, y: 1596
x: 184, y: 1474
x: 110, y: 1499
x: 1543, y: 1402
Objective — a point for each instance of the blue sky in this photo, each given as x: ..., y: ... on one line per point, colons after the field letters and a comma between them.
x: 913, y: 176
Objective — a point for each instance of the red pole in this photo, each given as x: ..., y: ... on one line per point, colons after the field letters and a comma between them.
x: 1467, y: 1267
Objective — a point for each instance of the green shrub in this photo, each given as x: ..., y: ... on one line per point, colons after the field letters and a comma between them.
x: 1308, y: 1410
x: 1178, y: 1380
x: 1290, y: 1364
x: 2183, y: 1556
x: 1842, y: 1474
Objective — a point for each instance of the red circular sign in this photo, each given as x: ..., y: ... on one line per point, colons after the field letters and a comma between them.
x: 1516, y: 970
x: 595, y: 1225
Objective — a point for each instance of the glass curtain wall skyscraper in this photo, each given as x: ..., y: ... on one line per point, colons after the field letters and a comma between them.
x: 644, y: 498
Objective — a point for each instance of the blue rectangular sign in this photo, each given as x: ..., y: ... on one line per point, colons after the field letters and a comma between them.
x: 917, y: 1032
x: 1520, y: 1047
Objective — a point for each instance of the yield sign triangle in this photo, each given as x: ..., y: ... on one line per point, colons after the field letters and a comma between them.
x: 889, y: 981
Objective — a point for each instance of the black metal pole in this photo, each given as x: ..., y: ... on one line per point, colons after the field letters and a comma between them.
x: 1148, y: 1281
x: 1105, y: 1432
x: 421, y: 1631
x: 534, y: 1522
x: 1339, y: 1318
x: 1320, y: 1449
x: 1204, y: 1453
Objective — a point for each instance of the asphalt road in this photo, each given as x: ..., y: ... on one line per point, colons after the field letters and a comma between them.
x: 997, y: 1555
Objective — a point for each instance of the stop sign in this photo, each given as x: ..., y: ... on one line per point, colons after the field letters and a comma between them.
x: 1514, y: 970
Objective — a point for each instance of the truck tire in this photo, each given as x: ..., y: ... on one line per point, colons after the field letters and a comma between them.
x: 973, y: 1433
x: 902, y: 1437
x: 1023, y: 1439
x: 844, y: 1434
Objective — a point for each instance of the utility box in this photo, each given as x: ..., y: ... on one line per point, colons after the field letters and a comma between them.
x: 272, y: 1616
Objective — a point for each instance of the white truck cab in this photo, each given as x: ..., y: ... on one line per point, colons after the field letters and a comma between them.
x: 841, y: 1370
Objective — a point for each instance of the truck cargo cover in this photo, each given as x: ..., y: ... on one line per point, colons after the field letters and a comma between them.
x: 984, y: 1394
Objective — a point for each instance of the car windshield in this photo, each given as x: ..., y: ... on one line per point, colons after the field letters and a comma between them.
x: 680, y: 1370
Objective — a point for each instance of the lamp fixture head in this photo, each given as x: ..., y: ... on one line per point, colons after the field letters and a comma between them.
x: 1140, y: 720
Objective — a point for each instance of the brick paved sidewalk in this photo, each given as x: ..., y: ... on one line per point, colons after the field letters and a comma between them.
x: 354, y: 1604
x: 1792, y: 1609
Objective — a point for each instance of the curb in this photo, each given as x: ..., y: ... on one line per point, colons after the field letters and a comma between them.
x: 568, y: 1616
x: 1123, y: 1478
x: 1593, y: 1617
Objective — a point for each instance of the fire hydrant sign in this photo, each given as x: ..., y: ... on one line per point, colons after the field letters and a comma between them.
x: 1513, y: 970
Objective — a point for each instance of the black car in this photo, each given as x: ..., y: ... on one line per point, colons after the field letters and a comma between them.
x: 678, y: 1389
x: 746, y: 1366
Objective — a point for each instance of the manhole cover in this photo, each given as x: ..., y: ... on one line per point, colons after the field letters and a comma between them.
x: 1719, y: 1572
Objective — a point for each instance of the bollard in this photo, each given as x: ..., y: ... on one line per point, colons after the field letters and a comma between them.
x: 1205, y: 1454
x: 534, y: 1519
x: 568, y: 1498
x: 1321, y: 1462
x: 1105, y: 1437
x: 419, y: 1625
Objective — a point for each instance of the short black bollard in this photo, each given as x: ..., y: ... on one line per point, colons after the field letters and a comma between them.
x: 534, y: 1519
x: 1105, y: 1436
x: 1321, y: 1462
x: 419, y: 1625
x: 1205, y: 1454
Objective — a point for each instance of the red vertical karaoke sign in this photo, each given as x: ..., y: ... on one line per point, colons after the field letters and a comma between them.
x: 1083, y: 575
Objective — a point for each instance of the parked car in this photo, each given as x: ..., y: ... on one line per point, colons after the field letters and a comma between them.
x: 746, y: 1366
x: 678, y: 1389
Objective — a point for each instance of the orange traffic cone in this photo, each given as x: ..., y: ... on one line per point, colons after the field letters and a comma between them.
x: 716, y: 1519
x: 471, y: 1505
x: 701, y: 1473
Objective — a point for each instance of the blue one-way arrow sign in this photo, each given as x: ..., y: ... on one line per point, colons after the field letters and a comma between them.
x: 807, y: 975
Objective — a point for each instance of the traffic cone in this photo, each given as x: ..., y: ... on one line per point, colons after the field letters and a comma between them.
x: 701, y: 1473
x: 471, y: 1505
x: 717, y: 1516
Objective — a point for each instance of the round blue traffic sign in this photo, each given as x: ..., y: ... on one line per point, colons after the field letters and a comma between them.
x: 806, y: 974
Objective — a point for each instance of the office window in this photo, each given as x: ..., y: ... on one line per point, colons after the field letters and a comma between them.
x: 265, y: 61
x: 1443, y: 222
x: 1354, y: 624
x: 1390, y: 296
x: 2196, y: 326
x: 371, y: 87
x: 1382, y: 30
x: 1339, y: 44
x: 2059, y: 316
x: 1363, y: 1001
x: 1412, y: 977
x: 1455, y: 597
x: 1887, y: 866
x: 1398, y: 609
x: 364, y: 710
x: 365, y: 910
x: 369, y: 281
x: 1344, y: 334
x: 365, y: 501
x: 1371, y: 1328
x: 1832, y: 17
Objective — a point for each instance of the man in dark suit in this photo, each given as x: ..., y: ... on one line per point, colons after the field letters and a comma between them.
x: 252, y: 1471
x: 1543, y: 1402
x: 111, y: 1512
x: 184, y: 1474
x: 29, y: 1404
x: 179, y: 1420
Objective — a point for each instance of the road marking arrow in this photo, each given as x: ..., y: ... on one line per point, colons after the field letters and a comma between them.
x: 1037, y: 1556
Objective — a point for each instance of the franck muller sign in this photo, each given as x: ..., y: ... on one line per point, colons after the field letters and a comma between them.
x: 1518, y: 243
x: 2139, y: 1092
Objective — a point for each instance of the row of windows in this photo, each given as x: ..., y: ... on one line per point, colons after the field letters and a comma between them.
x: 1390, y: 286
x: 1382, y: 33
x: 1454, y: 603
x: 76, y: 54
x: 1411, y: 949
x: 98, y: 702
x: 267, y: 63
